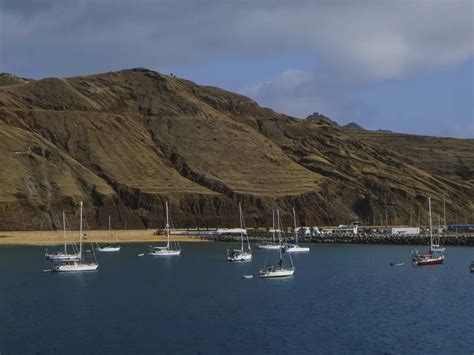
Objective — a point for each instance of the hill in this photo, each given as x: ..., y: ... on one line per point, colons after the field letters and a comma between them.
x: 124, y: 142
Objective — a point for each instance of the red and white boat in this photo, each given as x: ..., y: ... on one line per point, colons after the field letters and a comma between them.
x: 434, y: 256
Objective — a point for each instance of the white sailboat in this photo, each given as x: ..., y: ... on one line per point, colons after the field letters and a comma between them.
x: 278, y: 270
x: 80, y: 265
x: 62, y: 256
x: 241, y: 254
x: 295, y: 248
x: 273, y: 245
x: 167, y: 250
x: 109, y: 248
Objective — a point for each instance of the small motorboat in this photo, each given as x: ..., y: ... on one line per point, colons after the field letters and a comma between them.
x: 397, y: 264
x: 472, y: 266
x: 247, y: 276
x: 141, y: 254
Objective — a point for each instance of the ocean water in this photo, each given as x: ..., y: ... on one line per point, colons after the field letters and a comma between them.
x: 342, y: 299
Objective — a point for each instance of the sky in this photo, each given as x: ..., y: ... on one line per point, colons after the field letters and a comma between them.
x: 405, y: 66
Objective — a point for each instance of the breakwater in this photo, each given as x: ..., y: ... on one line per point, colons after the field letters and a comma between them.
x: 452, y: 239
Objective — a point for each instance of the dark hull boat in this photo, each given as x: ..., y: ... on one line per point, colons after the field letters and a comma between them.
x: 435, y: 254
x: 432, y: 260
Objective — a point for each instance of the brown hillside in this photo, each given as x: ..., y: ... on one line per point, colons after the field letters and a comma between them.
x: 126, y: 141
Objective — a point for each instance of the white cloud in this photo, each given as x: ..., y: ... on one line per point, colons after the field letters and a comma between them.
x: 352, y: 42
x: 300, y: 93
x: 358, y: 40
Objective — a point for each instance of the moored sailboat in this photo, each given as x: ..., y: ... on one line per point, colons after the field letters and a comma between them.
x: 278, y: 270
x: 271, y: 245
x: 241, y: 254
x: 168, y: 249
x: 434, y: 256
x: 295, y: 247
x: 80, y: 265
x: 62, y: 256
x: 109, y: 248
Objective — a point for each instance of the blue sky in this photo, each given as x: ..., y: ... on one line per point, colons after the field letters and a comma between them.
x: 406, y: 66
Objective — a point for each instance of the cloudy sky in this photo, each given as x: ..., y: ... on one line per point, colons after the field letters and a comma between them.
x: 405, y: 65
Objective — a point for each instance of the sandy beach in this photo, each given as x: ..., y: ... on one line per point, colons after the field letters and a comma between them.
x: 92, y: 236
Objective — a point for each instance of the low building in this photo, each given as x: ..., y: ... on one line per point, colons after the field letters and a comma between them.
x: 403, y: 230
x: 229, y: 231
x: 341, y: 229
x: 461, y: 228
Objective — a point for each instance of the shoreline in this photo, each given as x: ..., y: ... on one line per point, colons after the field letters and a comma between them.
x: 53, y: 238
x: 56, y: 238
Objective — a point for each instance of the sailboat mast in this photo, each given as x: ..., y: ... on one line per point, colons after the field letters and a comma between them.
x: 279, y: 234
x: 294, y: 225
x: 64, y: 228
x: 431, y: 224
x: 241, y: 229
x: 273, y: 224
x: 444, y: 210
x: 167, y: 225
x: 80, y: 234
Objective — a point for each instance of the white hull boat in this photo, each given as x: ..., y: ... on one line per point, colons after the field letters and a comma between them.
x: 238, y: 255
x: 241, y: 254
x: 273, y: 245
x: 276, y: 271
x: 79, y: 265
x: 292, y: 248
x: 167, y: 250
x: 75, y: 267
x: 269, y: 246
x: 62, y: 257
x: 108, y: 249
x: 164, y: 251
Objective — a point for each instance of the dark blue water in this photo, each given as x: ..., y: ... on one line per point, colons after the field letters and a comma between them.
x: 343, y: 299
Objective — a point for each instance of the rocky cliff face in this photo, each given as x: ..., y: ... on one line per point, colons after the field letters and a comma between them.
x: 124, y: 142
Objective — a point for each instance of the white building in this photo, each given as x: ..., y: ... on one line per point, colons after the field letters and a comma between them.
x: 404, y: 230
x: 351, y: 228
x: 231, y: 231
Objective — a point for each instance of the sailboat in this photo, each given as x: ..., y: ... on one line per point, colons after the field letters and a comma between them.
x: 435, y: 248
x: 108, y: 248
x: 271, y: 245
x: 62, y: 256
x: 278, y: 270
x: 167, y: 250
x: 80, y: 265
x: 295, y: 248
x: 434, y: 256
x: 241, y: 254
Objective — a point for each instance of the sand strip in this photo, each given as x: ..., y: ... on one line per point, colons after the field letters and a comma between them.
x: 92, y: 236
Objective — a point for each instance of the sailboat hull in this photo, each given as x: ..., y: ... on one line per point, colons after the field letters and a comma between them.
x: 296, y: 249
x: 108, y: 249
x: 75, y: 267
x: 62, y: 257
x: 429, y: 261
x: 164, y: 252
x: 267, y: 273
x: 239, y: 255
x: 269, y: 246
